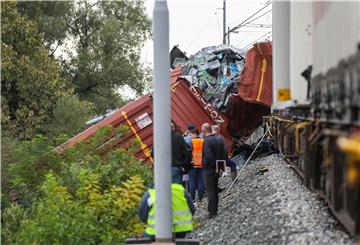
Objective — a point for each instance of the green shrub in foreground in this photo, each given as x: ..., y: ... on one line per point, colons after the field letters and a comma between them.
x: 84, y: 196
x: 91, y: 216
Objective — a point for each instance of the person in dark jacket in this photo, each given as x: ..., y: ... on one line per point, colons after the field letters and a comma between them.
x: 216, y: 130
x: 181, y: 156
x: 213, y: 150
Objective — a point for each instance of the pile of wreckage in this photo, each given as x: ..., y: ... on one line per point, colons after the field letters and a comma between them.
x: 215, y: 71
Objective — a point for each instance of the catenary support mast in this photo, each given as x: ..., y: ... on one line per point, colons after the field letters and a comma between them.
x: 162, y: 133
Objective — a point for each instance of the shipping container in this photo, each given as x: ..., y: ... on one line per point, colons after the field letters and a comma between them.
x: 254, y: 98
x: 187, y: 107
x: 255, y: 84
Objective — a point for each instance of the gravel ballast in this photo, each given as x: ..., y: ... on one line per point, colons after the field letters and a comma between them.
x: 270, y: 208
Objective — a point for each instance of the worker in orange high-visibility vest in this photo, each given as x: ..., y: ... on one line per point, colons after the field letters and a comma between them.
x: 196, y: 177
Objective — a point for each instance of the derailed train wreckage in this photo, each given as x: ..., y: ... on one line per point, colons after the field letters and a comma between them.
x: 238, y: 95
x: 315, y: 119
x: 316, y: 115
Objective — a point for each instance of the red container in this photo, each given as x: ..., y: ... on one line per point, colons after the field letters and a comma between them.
x: 255, y: 84
x: 187, y: 107
x: 254, y: 98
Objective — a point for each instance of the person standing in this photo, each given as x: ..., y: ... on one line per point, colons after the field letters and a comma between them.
x: 182, y: 208
x: 196, y: 176
x: 213, y: 150
x: 187, y: 136
x: 216, y: 130
x: 188, y: 141
x: 180, y: 154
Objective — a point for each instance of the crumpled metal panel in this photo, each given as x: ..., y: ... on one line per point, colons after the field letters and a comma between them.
x: 215, y: 71
x: 244, y: 117
x: 188, y: 106
x: 256, y: 78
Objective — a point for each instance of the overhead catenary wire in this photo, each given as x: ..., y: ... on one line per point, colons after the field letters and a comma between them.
x: 252, y: 42
x: 199, y: 33
x: 250, y: 21
x: 258, y: 39
x: 246, y: 20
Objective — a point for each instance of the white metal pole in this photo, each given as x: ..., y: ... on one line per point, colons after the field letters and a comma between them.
x: 162, y: 133
x: 281, y: 52
x: 224, y: 21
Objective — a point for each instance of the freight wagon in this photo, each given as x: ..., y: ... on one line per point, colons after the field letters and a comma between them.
x: 316, y: 113
x: 245, y: 110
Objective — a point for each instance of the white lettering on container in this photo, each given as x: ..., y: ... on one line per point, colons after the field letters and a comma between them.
x: 207, y: 106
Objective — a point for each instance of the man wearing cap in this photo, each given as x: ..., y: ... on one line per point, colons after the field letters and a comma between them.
x: 187, y: 137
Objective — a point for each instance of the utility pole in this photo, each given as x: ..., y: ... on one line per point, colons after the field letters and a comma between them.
x: 162, y: 133
x: 224, y: 21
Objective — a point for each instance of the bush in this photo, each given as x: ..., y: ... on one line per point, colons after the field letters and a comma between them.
x: 12, y: 217
x: 91, y: 216
x: 70, y: 115
x: 87, y: 195
x: 33, y: 159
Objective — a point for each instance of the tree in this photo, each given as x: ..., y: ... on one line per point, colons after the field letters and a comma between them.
x: 53, y: 19
x: 109, y: 36
x: 105, y: 39
x: 30, y: 82
x: 69, y: 116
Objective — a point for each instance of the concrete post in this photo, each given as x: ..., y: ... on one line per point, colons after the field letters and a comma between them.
x: 281, y: 52
x: 162, y: 133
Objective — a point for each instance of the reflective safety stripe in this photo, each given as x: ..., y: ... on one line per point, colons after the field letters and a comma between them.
x: 183, y: 222
x: 178, y: 213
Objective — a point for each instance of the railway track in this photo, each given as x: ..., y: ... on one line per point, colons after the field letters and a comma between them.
x: 270, y: 208
x: 326, y: 166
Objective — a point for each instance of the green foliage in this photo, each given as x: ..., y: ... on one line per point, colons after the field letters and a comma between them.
x: 87, y: 195
x: 52, y: 18
x: 30, y: 82
x: 109, y: 36
x: 8, y: 146
x: 70, y: 115
x: 91, y: 216
x: 33, y: 159
x: 13, y: 216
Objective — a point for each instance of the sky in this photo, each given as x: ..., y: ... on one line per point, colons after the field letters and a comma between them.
x: 199, y: 23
